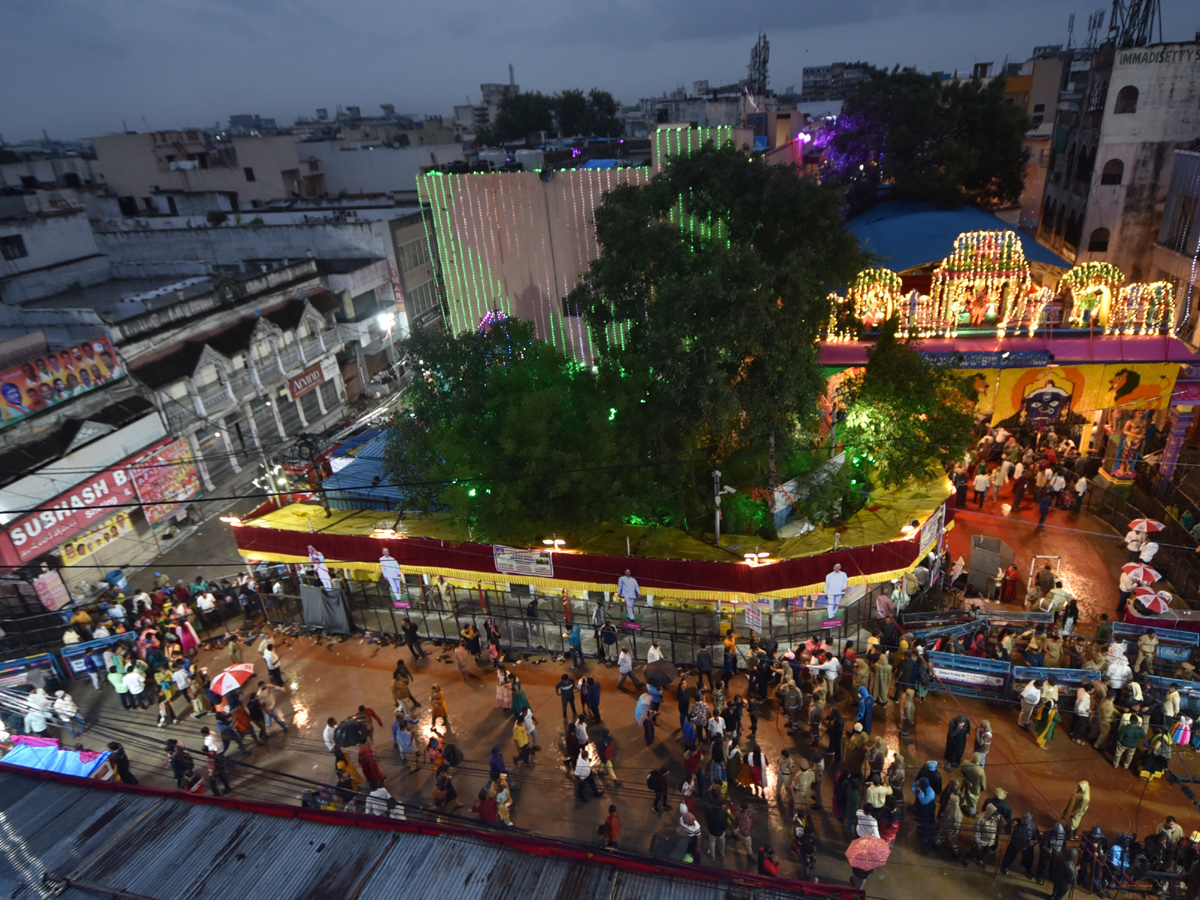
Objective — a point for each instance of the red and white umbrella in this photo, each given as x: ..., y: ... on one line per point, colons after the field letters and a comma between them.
x: 1155, y: 601
x: 868, y: 853
x: 1146, y: 525
x: 1142, y: 572
x: 232, y: 678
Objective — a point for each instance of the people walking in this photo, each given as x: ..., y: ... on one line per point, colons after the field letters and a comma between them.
x: 625, y: 667
x: 565, y: 688
x: 412, y: 639
x: 274, y: 667
x: 437, y: 708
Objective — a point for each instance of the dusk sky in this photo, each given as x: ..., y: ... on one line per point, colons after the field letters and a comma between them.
x: 78, y: 69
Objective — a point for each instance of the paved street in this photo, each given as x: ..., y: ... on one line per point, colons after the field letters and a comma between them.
x: 331, y: 678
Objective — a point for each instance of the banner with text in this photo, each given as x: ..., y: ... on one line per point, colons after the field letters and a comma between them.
x: 165, y: 480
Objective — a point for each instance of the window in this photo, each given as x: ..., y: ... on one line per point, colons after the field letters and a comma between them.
x: 1127, y: 98
x: 421, y: 299
x: 329, y: 396
x: 1039, y: 107
x: 13, y: 246
x: 365, y: 304
x: 1114, y: 169
x: 413, y: 254
x: 571, y: 308
x: 1036, y: 121
x: 249, y: 171
x: 1098, y: 242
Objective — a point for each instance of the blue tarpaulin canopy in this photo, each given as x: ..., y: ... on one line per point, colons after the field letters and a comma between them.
x: 51, y: 759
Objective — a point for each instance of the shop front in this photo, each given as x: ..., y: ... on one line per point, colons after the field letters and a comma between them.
x: 109, y: 518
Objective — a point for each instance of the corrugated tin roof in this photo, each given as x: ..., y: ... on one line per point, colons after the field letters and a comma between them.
x: 168, y: 847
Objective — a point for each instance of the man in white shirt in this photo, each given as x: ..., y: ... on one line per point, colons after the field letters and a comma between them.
x: 274, y: 670
x: 836, y: 583
x: 1083, y: 709
x: 1147, y: 551
x: 135, y: 684
x: 327, y: 734
x: 981, y: 484
x: 1081, y: 486
x: 1125, y: 587
x: 116, y: 611
x: 654, y: 654
x: 627, y: 590
x: 206, y: 603
x: 1133, y: 544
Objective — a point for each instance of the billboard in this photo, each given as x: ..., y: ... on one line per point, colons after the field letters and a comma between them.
x: 55, y: 378
x: 80, y: 547
x: 165, y: 480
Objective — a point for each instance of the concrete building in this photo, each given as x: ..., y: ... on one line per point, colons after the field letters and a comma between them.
x: 519, y: 242
x: 249, y: 171
x: 40, y: 174
x: 374, y: 169
x: 1121, y: 120
x: 1034, y: 87
x: 833, y: 82
x: 1177, y: 251
x: 44, y: 249
x: 474, y: 116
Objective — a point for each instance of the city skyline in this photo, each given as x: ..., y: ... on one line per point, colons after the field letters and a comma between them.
x: 79, y: 70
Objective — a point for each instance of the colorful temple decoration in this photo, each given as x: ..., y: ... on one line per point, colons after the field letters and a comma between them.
x: 1092, y: 286
x: 875, y: 296
x: 1029, y: 309
x: 974, y: 284
x: 1142, y: 309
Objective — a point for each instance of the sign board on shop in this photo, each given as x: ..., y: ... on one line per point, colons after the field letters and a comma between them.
x: 69, y: 513
x: 312, y: 377
x: 516, y: 561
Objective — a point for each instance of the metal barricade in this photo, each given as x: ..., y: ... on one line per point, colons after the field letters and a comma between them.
x: 970, y: 676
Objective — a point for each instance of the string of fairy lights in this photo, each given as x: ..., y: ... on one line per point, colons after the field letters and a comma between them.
x: 986, y: 278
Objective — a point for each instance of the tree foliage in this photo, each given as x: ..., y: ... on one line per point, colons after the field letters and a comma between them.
x: 571, y: 113
x: 515, y: 439
x: 905, y: 417
x: 721, y: 265
x: 520, y: 114
x: 924, y: 139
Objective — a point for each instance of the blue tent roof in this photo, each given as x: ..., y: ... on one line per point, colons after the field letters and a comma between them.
x: 600, y: 164
x: 362, y: 483
x: 51, y: 759
x: 907, y: 235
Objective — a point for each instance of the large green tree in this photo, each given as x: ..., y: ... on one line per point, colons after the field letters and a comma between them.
x: 905, y: 417
x: 516, y: 440
x: 718, y: 271
x: 924, y: 139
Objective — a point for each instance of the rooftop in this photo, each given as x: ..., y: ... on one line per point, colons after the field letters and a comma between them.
x: 108, y: 839
x: 123, y: 298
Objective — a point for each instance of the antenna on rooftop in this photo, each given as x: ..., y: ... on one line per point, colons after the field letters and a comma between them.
x: 1070, y: 31
x: 511, y: 77
x: 1095, y: 26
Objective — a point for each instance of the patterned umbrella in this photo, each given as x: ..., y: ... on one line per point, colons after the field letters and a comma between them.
x: 1146, y: 525
x: 868, y: 853
x: 232, y: 678
x: 1155, y: 601
x: 1142, y: 572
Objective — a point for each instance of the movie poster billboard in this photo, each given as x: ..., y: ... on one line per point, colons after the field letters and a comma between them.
x: 165, y: 480
x: 55, y: 378
x: 80, y: 547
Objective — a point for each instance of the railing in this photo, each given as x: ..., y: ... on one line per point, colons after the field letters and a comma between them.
x: 289, y: 357
x: 312, y: 348
x: 242, y: 384
x: 679, y: 632
x: 179, y: 414
x: 215, y: 397
x: 268, y: 370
